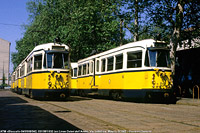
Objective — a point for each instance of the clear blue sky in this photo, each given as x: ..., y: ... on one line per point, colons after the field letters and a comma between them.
x: 13, y: 14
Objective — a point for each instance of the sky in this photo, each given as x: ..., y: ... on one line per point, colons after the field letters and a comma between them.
x: 13, y: 15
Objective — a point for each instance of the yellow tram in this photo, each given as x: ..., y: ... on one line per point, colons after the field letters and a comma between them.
x: 138, y: 70
x: 45, y: 72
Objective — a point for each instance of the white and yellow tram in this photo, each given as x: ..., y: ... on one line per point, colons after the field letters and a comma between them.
x: 45, y: 72
x: 138, y: 70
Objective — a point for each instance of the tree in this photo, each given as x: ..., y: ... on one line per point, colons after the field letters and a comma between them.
x: 84, y: 25
x: 134, y: 18
x: 175, y: 16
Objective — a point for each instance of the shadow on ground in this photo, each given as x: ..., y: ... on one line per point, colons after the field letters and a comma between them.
x: 69, y: 99
x: 16, y: 114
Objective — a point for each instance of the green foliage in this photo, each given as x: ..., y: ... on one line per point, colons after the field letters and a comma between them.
x: 178, y: 19
x: 174, y: 15
x: 84, y: 25
x: 88, y: 25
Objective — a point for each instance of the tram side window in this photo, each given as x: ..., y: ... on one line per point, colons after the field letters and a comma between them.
x: 103, y: 65
x: 13, y: 78
x: 110, y: 63
x: 87, y: 68
x: 134, y: 59
x: 22, y: 70
x: 91, y: 67
x: 119, y: 61
x: 84, y: 69
x: 29, y: 66
x: 97, y: 66
x: 18, y: 73
x: 79, y: 70
x: 75, y: 72
x: 72, y: 72
x: 37, y: 62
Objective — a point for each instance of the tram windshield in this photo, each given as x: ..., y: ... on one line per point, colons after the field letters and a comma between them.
x: 159, y: 58
x: 56, y: 60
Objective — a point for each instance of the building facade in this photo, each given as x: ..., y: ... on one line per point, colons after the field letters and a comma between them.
x: 4, y: 60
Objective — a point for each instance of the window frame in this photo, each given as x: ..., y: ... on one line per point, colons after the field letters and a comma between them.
x: 29, y: 65
x: 110, y: 65
x: 116, y: 63
x: 134, y: 60
x: 103, y: 65
x: 36, y: 55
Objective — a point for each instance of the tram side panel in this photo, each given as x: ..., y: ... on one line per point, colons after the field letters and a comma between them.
x: 109, y: 83
x: 147, y: 84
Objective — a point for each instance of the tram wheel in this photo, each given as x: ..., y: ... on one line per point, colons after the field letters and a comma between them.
x: 116, y: 95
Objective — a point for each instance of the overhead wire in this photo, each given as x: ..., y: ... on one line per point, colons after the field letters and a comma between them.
x: 10, y: 24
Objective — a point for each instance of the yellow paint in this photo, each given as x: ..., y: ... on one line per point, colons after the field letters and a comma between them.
x: 127, y: 80
x: 51, y: 80
x: 74, y: 83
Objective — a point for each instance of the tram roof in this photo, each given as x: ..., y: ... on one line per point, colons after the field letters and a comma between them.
x: 74, y: 64
x: 143, y: 43
x: 48, y: 46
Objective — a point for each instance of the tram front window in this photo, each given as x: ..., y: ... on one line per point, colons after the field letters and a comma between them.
x: 57, y: 60
x: 159, y: 58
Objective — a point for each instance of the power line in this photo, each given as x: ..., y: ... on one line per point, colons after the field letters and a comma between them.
x: 10, y: 24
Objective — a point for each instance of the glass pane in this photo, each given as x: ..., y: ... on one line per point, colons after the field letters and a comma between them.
x: 91, y: 67
x: 84, y: 69
x: 37, y: 62
x: 110, y: 64
x: 49, y: 60
x: 103, y: 68
x: 119, y: 61
x: 162, y: 59
x: 58, y: 60
x: 97, y: 66
x: 29, y: 65
x: 159, y: 58
x: 134, y: 59
x: 79, y: 70
x: 87, y: 68
x: 75, y: 72
x: 152, y: 55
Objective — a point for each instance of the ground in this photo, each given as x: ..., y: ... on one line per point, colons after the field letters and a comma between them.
x: 18, y: 112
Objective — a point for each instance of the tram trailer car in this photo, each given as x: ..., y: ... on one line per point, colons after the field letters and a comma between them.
x: 73, y: 77
x: 44, y: 73
x: 138, y: 71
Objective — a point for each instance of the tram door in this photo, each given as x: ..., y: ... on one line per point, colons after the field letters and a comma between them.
x: 94, y: 70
